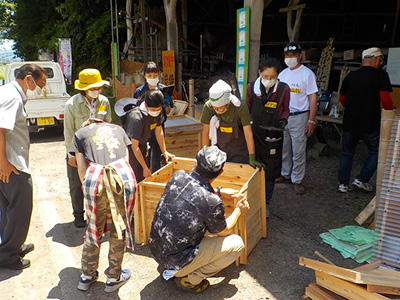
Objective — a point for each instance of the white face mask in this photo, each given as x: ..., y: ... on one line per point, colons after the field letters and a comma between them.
x: 153, y: 113
x: 152, y: 81
x: 35, y: 93
x: 93, y: 94
x: 268, y: 83
x: 291, y: 62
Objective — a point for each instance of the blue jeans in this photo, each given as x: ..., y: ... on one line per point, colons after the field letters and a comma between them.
x: 349, y: 144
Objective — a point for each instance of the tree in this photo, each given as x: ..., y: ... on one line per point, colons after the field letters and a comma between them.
x: 37, y: 24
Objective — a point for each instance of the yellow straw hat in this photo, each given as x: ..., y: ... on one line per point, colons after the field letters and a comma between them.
x: 88, y: 79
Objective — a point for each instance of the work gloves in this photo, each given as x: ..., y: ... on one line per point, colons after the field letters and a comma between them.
x: 282, y: 123
x: 254, y: 163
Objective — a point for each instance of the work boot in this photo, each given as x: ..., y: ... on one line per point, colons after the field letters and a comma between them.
x: 79, y: 222
x: 298, y: 189
x: 25, y: 249
x: 184, y: 284
x: 282, y: 179
x: 20, y: 265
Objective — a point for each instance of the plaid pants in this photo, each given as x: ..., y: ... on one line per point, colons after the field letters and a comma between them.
x: 90, y: 253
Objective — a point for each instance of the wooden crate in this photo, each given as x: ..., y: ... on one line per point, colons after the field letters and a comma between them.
x: 183, y: 135
x: 251, y: 227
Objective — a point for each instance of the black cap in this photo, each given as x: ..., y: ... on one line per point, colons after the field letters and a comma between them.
x: 211, y: 159
x: 292, y: 47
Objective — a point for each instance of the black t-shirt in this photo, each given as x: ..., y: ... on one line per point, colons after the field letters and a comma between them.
x: 361, y: 88
x: 101, y: 143
x: 186, y: 210
x: 139, y: 126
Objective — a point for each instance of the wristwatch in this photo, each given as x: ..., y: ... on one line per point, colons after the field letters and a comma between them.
x: 219, y: 191
x: 311, y: 121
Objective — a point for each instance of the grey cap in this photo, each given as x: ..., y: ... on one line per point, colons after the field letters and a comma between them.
x: 211, y: 158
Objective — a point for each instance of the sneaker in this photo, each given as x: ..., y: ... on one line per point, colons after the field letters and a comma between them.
x: 184, y: 284
x: 85, y: 281
x: 114, y: 284
x: 298, y: 189
x: 362, y: 185
x: 25, y: 249
x: 20, y: 265
x: 79, y: 222
x: 282, y: 179
x: 344, y: 188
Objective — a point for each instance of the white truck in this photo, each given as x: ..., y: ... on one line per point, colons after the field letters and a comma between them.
x: 47, y: 109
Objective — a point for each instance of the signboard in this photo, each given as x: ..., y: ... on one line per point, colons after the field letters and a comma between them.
x: 65, y: 58
x: 242, y: 50
x: 168, y: 66
x: 393, y: 66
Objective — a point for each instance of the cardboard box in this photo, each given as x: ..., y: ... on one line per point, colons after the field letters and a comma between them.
x: 183, y: 135
x: 251, y: 227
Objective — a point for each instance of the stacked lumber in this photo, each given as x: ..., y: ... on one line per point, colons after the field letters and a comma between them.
x: 367, y: 282
x: 324, y: 66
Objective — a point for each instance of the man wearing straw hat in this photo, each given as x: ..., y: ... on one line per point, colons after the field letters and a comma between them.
x: 88, y: 103
x: 187, y: 210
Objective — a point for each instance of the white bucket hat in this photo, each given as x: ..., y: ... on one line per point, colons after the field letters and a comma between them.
x: 121, y: 106
x: 220, y: 94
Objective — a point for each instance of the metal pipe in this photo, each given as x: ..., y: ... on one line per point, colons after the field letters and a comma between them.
x: 151, y: 43
x: 201, y: 54
x: 144, y: 36
x: 112, y: 22
x: 191, y: 109
x: 116, y: 32
x: 156, y: 39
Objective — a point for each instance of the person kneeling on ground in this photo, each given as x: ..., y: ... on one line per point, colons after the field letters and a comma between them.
x: 109, y: 187
x: 188, y: 211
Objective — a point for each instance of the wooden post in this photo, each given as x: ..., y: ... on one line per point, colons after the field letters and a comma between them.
x: 144, y: 30
x: 293, y: 31
x: 191, y: 110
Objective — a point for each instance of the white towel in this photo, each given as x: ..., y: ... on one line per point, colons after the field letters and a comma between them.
x: 143, y: 109
x: 257, y: 90
x: 212, y: 134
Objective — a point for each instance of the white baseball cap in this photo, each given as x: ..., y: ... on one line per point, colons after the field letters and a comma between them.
x: 371, y: 52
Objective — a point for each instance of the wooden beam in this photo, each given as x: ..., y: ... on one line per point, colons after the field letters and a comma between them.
x: 346, y: 289
x: 316, y: 292
x: 285, y: 9
x: 370, y: 266
x: 383, y: 289
x: 376, y: 276
x: 367, y: 212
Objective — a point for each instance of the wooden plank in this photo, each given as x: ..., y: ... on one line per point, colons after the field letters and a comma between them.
x: 367, y: 212
x: 383, y: 289
x: 346, y: 289
x: 375, y: 276
x: 316, y: 292
x: 370, y: 266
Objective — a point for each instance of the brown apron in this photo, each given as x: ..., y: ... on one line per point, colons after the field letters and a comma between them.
x: 231, y: 140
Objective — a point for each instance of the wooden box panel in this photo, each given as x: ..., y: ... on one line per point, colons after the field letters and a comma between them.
x: 183, y: 135
x: 251, y: 227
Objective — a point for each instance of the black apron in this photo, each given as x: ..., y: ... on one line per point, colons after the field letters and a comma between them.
x: 148, y: 128
x: 268, y: 138
x: 231, y: 140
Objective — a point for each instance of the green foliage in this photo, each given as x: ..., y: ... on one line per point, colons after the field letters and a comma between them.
x: 38, y: 24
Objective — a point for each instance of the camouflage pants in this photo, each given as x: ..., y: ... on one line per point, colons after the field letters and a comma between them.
x: 90, y: 253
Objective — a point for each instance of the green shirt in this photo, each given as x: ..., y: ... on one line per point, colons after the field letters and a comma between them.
x: 244, y: 117
x: 76, y: 112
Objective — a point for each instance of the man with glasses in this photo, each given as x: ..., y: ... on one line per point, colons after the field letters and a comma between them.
x: 362, y: 93
x: 15, y: 177
x: 227, y: 123
x: 302, y: 107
